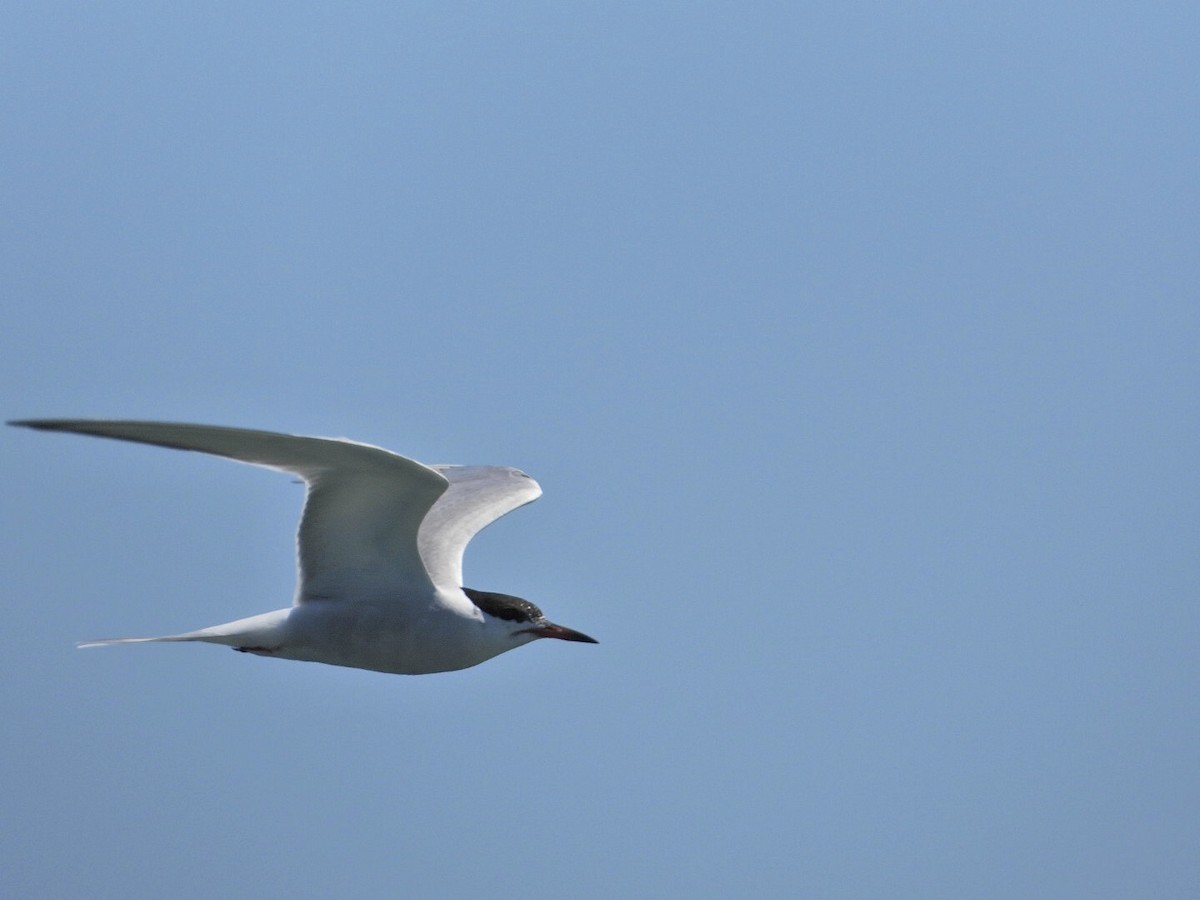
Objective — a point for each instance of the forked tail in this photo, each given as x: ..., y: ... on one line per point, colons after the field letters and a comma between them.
x: 265, y: 630
x: 108, y: 642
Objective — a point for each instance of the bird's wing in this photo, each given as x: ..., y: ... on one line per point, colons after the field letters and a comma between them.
x: 477, y: 496
x: 358, y: 532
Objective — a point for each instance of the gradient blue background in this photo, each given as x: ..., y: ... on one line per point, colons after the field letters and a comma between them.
x: 854, y: 345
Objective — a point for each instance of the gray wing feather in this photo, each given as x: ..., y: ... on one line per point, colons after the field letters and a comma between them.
x: 477, y: 496
x: 362, y: 513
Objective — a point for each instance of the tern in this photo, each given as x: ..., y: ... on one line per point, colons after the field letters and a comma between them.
x: 380, y: 550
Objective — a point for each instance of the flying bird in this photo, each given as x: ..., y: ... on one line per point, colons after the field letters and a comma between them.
x: 380, y: 549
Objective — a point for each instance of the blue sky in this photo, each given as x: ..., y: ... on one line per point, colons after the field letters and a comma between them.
x: 854, y: 346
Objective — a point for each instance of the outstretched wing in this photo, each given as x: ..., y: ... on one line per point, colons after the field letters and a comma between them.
x: 362, y: 514
x: 477, y: 496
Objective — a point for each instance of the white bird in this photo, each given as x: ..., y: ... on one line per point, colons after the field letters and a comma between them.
x: 380, y: 550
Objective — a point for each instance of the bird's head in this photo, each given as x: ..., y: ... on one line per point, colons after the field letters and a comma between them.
x: 524, y: 621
